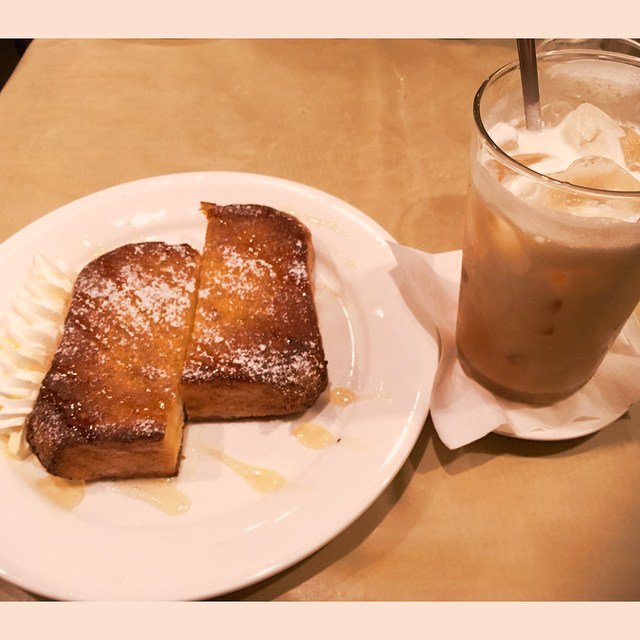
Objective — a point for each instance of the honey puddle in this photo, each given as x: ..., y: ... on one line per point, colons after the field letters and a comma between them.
x: 260, y: 479
x: 313, y: 436
x: 158, y: 492
x: 66, y: 494
x: 342, y: 396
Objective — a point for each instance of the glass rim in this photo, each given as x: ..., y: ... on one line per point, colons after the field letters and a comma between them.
x: 541, y: 47
x: 523, y: 169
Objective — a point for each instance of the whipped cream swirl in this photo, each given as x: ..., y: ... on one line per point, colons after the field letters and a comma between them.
x: 29, y: 336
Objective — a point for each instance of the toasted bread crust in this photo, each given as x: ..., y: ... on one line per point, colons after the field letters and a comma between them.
x: 110, y: 405
x: 256, y: 349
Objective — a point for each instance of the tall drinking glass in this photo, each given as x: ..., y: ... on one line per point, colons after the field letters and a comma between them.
x: 551, y: 261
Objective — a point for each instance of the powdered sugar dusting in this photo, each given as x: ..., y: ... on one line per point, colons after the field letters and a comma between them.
x: 242, y: 272
x: 264, y: 363
x: 137, y: 297
x: 257, y: 321
x: 116, y: 373
x: 298, y: 272
x: 261, y: 364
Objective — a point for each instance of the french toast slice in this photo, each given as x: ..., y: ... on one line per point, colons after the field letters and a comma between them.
x: 110, y: 405
x: 256, y: 348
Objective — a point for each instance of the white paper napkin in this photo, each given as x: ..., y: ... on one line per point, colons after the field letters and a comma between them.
x: 463, y: 411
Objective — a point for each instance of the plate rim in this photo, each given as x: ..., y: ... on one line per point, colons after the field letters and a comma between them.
x: 381, y: 233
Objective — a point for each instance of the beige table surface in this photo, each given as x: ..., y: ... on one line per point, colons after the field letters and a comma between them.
x: 385, y: 126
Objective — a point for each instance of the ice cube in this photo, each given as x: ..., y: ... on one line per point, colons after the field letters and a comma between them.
x: 503, y: 237
x: 554, y: 112
x: 496, y: 169
x: 499, y: 171
x: 591, y: 132
x: 598, y: 173
x: 505, y: 136
x: 631, y: 148
x: 531, y: 159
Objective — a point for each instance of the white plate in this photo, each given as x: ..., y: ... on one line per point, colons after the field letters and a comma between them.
x: 112, y: 546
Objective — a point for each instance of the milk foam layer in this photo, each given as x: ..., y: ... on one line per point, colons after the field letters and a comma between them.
x: 586, y: 142
x: 29, y: 337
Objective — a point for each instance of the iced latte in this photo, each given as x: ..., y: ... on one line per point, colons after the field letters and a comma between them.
x: 551, y: 263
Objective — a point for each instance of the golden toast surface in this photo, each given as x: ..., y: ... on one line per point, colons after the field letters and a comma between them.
x: 110, y: 405
x: 256, y: 349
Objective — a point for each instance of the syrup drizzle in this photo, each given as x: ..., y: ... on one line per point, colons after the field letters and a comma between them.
x: 158, y: 492
x: 66, y: 494
x: 342, y: 396
x: 313, y: 436
x: 259, y: 478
